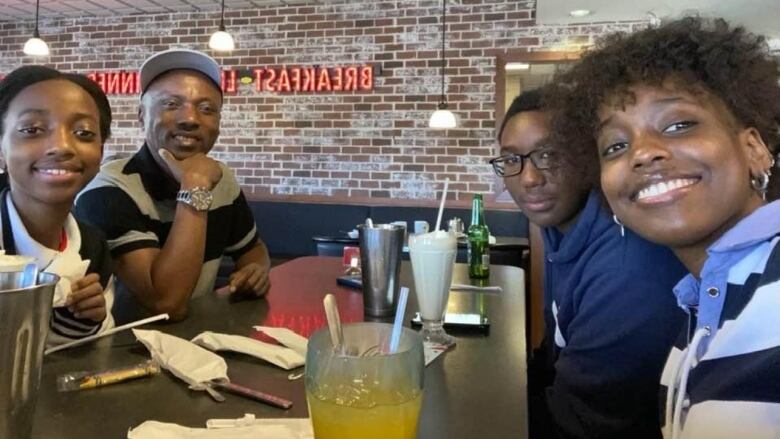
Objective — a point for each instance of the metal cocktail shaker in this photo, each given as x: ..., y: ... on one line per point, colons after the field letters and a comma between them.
x: 380, y: 258
x: 24, y: 326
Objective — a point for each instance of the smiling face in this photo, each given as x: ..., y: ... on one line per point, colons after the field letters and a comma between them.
x: 676, y: 166
x: 549, y: 198
x: 51, y: 143
x: 180, y: 112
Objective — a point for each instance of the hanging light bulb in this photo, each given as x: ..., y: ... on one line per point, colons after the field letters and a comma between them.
x: 35, y: 46
x: 221, y: 40
x: 443, y: 118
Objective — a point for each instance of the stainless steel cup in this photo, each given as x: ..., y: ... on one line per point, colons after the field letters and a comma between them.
x: 380, y: 257
x: 24, y: 326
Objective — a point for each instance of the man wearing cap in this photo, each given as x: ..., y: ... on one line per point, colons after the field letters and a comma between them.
x: 170, y: 212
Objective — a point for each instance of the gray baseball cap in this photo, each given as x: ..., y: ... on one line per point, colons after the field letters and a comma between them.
x: 175, y: 59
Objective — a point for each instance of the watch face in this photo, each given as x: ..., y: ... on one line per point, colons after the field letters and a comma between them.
x: 201, y: 199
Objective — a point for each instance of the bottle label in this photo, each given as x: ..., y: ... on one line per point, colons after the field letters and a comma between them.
x: 486, y: 259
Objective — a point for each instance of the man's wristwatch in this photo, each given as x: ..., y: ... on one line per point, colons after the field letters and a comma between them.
x: 198, y: 197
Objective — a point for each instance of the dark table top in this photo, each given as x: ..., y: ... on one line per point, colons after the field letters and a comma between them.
x: 477, y: 389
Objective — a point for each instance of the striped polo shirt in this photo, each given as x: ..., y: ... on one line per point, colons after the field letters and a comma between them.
x: 722, y: 378
x: 133, y: 201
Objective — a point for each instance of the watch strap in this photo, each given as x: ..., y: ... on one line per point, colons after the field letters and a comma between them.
x: 186, y: 196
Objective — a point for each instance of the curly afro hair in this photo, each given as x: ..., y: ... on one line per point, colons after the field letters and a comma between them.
x: 697, y: 55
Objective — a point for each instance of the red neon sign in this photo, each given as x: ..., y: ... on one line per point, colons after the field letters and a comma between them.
x: 117, y: 83
x: 272, y: 79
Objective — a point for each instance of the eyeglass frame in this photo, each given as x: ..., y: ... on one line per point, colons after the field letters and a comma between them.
x: 495, y: 162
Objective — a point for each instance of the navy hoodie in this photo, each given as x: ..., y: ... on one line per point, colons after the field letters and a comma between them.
x: 611, y: 320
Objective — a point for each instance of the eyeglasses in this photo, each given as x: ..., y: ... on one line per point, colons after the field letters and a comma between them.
x: 509, y: 165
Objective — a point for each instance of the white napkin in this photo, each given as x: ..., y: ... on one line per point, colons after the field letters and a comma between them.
x: 69, y: 267
x: 431, y: 351
x: 286, y: 337
x: 189, y: 362
x: 254, y: 429
x: 283, y: 357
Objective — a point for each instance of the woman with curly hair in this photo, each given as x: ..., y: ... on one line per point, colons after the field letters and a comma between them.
x: 684, y: 120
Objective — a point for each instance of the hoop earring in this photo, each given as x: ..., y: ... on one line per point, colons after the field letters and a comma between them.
x: 761, y: 183
x: 622, y: 227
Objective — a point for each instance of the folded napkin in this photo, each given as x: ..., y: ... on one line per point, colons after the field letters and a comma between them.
x: 431, y: 351
x: 286, y: 337
x: 69, y: 267
x: 189, y: 362
x: 283, y: 357
x: 245, y: 428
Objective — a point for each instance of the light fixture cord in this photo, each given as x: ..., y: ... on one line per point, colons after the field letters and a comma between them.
x: 222, y: 17
x: 443, y: 39
x: 37, y: 5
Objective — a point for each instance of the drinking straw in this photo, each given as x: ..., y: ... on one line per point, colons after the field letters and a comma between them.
x: 464, y: 287
x: 30, y: 275
x: 441, y: 205
x: 103, y: 334
x: 395, y: 337
x: 334, y: 322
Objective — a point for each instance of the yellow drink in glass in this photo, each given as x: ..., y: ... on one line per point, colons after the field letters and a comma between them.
x: 383, y: 421
x: 363, y: 391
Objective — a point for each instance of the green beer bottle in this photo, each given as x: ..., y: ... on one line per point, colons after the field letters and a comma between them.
x: 478, y: 235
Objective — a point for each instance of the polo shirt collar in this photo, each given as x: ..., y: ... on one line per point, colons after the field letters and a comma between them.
x: 760, y: 226
x: 757, y: 227
x: 17, y: 240
x: 155, y: 179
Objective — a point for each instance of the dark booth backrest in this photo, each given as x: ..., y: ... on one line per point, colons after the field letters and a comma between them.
x: 287, y: 228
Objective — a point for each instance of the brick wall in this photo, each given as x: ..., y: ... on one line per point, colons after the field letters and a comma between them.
x: 365, y: 146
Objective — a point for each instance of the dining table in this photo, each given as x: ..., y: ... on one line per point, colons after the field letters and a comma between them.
x: 475, y: 389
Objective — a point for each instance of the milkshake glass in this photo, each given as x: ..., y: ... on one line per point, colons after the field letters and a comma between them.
x: 433, y: 257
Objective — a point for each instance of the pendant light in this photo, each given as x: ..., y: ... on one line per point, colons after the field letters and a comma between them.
x: 221, y: 40
x: 443, y: 118
x: 35, y: 46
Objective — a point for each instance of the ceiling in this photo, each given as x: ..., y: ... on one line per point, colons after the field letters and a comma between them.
x: 535, y: 76
x: 25, y: 9
x: 760, y: 16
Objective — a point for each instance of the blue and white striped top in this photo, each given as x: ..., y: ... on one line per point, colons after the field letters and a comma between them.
x: 722, y: 378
